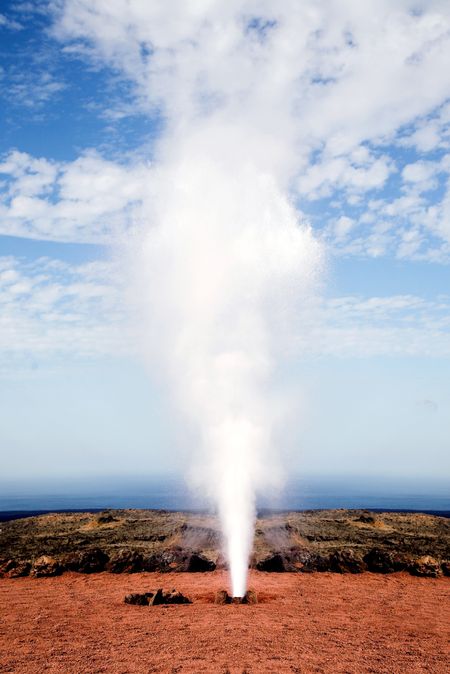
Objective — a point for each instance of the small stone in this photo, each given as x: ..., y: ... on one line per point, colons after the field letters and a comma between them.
x: 251, y: 597
x: 137, y: 599
x: 222, y: 597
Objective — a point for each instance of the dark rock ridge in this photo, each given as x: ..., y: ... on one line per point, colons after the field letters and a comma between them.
x: 129, y: 541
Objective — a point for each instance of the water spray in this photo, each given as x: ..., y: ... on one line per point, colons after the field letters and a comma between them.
x: 223, y: 266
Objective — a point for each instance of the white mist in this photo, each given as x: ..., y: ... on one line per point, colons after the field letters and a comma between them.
x: 222, y: 266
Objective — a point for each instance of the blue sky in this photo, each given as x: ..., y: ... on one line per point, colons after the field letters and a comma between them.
x: 86, y: 97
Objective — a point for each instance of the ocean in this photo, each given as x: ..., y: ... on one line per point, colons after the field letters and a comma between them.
x: 20, y: 498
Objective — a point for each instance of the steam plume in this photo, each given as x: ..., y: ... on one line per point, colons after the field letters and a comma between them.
x: 225, y: 262
x: 259, y: 100
x: 222, y: 262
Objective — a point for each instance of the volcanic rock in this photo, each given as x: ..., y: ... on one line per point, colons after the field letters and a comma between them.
x: 105, y: 518
x: 301, y: 559
x: 170, y: 559
x: 170, y: 597
x: 125, y: 561
x: 250, y: 597
x: 294, y: 559
x: 157, y: 597
x: 46, y: 566
x: 314, y: 562
x: 425, y: 566
x: 197, y: 563
x: 222, y: 597
x: 14, y: 568
x: 178, y: 559
x: 6, y: 565
x: 300, y: 542
x: 273, y: 563
x: 20, y: 568
x: 346, y: 561
x: 142, y: 599
x: 366, y: 518
x: 88, y: 561
x: 383, y: 561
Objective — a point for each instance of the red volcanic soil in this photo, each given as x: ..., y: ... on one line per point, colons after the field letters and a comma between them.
x: 332, y: 623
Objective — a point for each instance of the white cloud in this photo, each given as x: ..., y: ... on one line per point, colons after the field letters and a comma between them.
x: 34, y: 91
x: 308, y: 91
x: 343, y: 226
x: 311, y: 92
x: 339, y: 173
x: 419, y: 172
x: 11, y: 24
x: 53, y: 309
x: 429, y: 133
x: 90, y: 199
x: 322, y: 74
x: 398, y: 325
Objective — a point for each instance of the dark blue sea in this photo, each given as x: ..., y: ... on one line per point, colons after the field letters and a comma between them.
x: 22, y: 498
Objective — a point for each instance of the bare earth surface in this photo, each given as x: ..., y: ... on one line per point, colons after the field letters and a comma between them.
x: 79, y: 624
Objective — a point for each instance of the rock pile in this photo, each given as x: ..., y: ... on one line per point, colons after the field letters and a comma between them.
x: 157, y: 597
x: 222, y: 597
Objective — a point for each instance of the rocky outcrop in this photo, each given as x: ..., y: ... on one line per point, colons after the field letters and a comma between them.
x: 199, y: 563
x: 306, y: 561
x: 275, y: 563
x: 346, y: 561
x: 125, y: 561
x: 128, y: 541
x: 341, y: 561
x: 383, y: 561
x: 88, y: 561
x: 177, y: 559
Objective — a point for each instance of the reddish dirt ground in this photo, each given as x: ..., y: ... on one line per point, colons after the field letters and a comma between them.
x: 304, y: 623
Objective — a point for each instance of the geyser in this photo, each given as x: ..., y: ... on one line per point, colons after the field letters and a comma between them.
x: 221, y: 262
x: 223, y: 268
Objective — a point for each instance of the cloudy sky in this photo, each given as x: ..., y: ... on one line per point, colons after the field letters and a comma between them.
x: 347, y: 103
